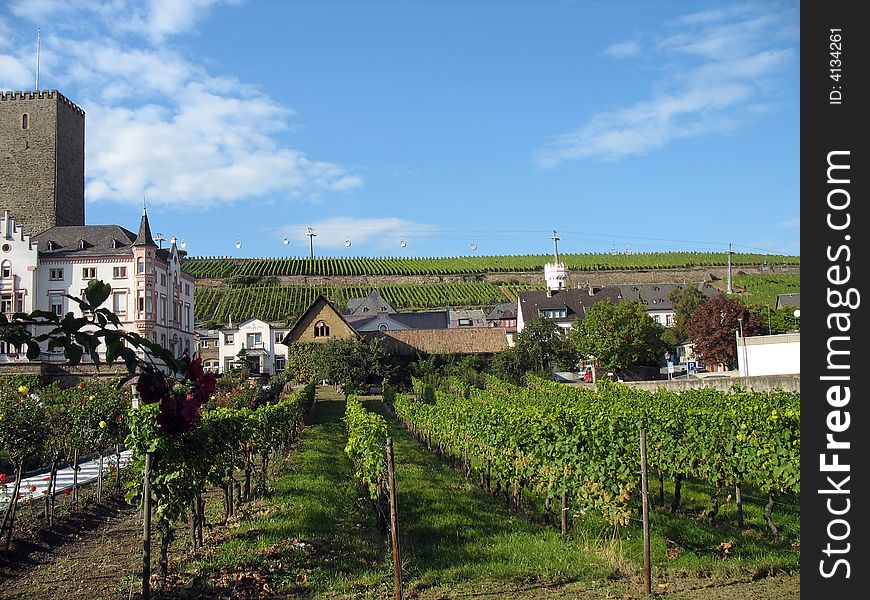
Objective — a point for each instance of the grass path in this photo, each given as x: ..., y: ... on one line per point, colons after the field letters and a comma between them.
x: 313, y: 534
x: 452, y: 531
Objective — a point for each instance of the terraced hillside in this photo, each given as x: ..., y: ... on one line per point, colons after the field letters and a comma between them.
x: 279, y: 290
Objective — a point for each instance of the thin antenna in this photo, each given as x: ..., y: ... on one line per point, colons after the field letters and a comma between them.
x: 555, y: 239
x: 37, y: 59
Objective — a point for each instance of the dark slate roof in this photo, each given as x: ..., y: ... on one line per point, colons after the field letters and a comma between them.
x: 422, y: 319
x: 505, y: 310
x: 144, y: 238
x: 574, y: 302
x: 98, y: 240
x: 374, y: 302
x: 655, y: 295
x: 790, y: 300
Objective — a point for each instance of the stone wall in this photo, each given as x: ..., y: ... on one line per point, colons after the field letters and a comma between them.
x: 42, y: 167
x: 763, y: 383
x: 575, y: 278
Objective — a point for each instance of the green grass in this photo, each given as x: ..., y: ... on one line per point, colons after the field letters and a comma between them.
x: 454, y: 535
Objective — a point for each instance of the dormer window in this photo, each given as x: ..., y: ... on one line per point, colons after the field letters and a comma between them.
x: 82, y: 244
x: 115, y: 244
x: 49, y: 245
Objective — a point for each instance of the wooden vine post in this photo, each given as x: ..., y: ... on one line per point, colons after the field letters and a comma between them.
x: 146, y: 529
x: 394, y: 519
x: 644, y: 491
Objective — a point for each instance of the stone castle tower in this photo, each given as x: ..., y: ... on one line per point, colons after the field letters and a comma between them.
x: 42, y: 159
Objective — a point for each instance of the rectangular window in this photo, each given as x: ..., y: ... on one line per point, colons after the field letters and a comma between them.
x: 228, y: 364
x: 229, y: 338
x: 55, y: 274
x: 55, y: 301
x: 203, y: 344
x: 119, y: 272
x: 6, y: 303
x: 89, y: 273
x: 140, y: 266
x: 669, y: 320
x: 279, y: 337
x: 465, y: 322
x: 187, y: 289
x: 119, y: 303
x: 187, y: 317
x: 7, y: 270
x: 280, y: 363
x: 255, y: 340
x: 163, y: 279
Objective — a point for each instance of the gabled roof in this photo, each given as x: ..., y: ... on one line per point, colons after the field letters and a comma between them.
x: 573, y: 301
x: 505, y: 310
x: 655, y: 295
x: 320, y: 303
x: 99, y: 240
x: 480, y: 340
x: 374, y: 303
x: 790, y: 300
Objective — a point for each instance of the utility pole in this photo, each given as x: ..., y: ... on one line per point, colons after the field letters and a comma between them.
x: 730, y: 252
x: 555, y: 239
x: 311, y: 235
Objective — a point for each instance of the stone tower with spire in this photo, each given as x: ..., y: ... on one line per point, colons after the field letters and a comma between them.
x: 42, y: 159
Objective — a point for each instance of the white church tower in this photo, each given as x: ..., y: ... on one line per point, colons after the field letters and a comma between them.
x: 556, y: 273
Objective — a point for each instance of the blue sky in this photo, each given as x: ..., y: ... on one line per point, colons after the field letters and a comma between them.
x: 655, y: 125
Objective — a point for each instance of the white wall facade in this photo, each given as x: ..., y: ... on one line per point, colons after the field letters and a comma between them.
x: 42, y: 283
x: 769, y: 354
x: 260, y: 340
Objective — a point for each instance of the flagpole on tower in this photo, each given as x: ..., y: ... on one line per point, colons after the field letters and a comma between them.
x: 37, y: 59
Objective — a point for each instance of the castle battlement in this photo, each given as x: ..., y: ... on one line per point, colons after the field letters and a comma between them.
x: 40, y: 95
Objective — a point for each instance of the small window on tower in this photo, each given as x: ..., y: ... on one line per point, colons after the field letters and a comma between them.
x: 25, y: 121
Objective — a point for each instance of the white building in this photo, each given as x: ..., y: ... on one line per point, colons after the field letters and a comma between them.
x: 769, y: 354
x: 150, y: 294
x: 263, y: 351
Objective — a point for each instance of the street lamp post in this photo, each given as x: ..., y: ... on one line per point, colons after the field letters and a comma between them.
x: 745, y: 356
x: 668, y: 362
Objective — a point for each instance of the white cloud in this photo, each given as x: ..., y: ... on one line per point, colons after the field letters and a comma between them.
x: 384, y: 233
x: 15, y: 75
x: 159, y: 125
x: 625, y: 49
x: 722, y: 64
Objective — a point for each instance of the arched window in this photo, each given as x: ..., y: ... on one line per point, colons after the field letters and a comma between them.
x: 6, y: 269
x: 321, y: 329
x: 25, y: 121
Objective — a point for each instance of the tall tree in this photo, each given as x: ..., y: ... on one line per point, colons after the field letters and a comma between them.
x: 542, y: 344
x: 685, y: 302
x: 619, y: 335
x: 713, y: 325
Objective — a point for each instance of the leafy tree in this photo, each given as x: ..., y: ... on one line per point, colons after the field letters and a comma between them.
x: 619, y: 335
x: 508, y: 365
x: 776, y: 320
x: 684, y: 301
x: 542, y: 344
x: 713, y: 325
x: 344, y: 362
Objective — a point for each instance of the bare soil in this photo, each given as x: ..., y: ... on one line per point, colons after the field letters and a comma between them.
x: 95, y: 554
